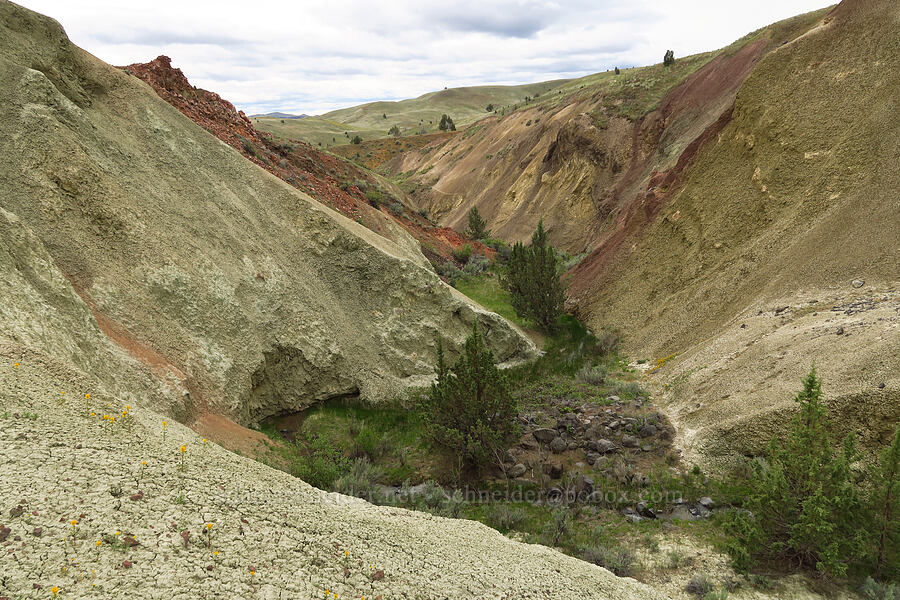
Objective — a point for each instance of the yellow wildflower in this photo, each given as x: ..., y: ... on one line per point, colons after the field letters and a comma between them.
x: 208, y: 526
x: 99, y: 543
x: 93, y: 414
x: 127, y: 407
x: 16, y: 366
x: 87, y: 396
x: 74, y: 522
x: 112, y: 419
x: 54, y: 590
x: 182, y: 448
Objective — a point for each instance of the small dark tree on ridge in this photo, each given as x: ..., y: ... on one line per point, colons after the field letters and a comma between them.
x: 477, y: 225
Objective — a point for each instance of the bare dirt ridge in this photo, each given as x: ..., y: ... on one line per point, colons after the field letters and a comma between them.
x: 339, y: 184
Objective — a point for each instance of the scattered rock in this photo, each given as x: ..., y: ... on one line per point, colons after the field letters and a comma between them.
x: 840, y: 330
x: 857, y: 283
x: 545, y: 435
x: 706, y: 502
x: 4, y: 533
x: 603, y: 446
x: 629, y: 441
x: 38, y: 532
x: 567, y: 421
x: 881, y: 386
x: 517, y: 470
x: 645, y: 511
x: 647, y: 430
x: 552, y: 469
x: 16, y: 512
x: 136, y: 497
x: 378, y: 575
x: 592, y: 457
x: 558, y: 445
x: 127, y: 564
x: 527, y: 442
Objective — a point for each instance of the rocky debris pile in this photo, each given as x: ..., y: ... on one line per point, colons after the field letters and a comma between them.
x: 579, y: 436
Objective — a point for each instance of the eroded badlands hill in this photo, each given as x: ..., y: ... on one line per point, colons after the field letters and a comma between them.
x: 759, y: 177
x: 239, y: 294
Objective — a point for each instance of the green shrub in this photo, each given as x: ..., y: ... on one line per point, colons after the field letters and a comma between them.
x: 478, y: 263
x: 628, y: 390
x: 501, y: 247
x: 618, y: 559
x: 360, y: 480
x: 872, y: 590
x: 319, y: 463
x: 356, y: 140
x: 374, y: 197
x: 803, y: 504
x: 558, y: 526
x: 532, y: 279
x: 699, y: 585
x: 469, y: 409
x: 396, y: 208
x: 504, y: 518
x: 449, y: 271
x: 463, y: 253
x: 595, y: 375
x: 669, y: 58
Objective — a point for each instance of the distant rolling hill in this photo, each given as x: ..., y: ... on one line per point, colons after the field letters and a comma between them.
x: 279, y: 115
x: 417, y: 115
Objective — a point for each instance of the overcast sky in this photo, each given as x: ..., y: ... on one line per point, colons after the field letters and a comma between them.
x: 313, y: 57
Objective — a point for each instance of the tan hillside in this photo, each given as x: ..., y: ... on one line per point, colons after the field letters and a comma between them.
x: 765, y: 177
x: 240, y: 294
x: 581, y: 159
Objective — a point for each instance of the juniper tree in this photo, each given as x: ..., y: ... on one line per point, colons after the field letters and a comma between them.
x: 477, y: 225
x: 446, y: 124
x: 669, y: 58
x: 886, y: 511
x: 803, y: 501
x: 469, y: 409
x: 532, y: 279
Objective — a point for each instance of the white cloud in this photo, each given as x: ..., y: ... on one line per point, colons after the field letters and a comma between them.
x: 316, y: 56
